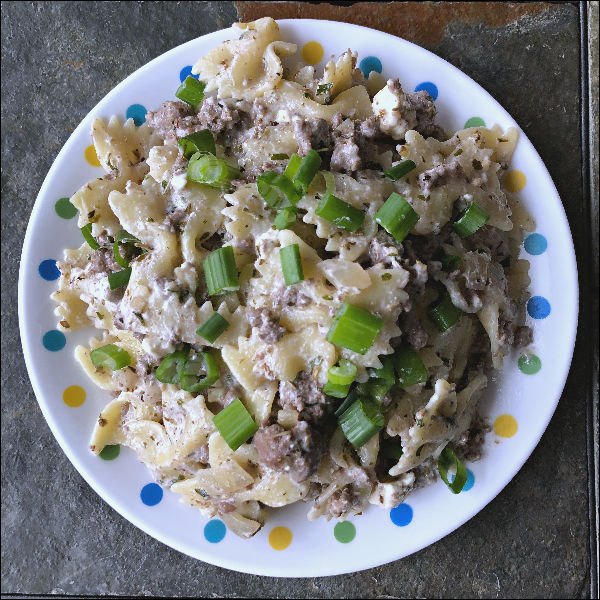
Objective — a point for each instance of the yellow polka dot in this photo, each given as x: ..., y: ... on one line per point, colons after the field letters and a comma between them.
x: 74, y: 396
x: 505, y: 426
x: 280, y: 538
x: 515, y: 181
x: 91, y: 156
x: 312, y: 53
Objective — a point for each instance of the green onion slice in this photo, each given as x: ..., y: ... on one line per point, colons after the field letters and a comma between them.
x: 200, y: 141
x: 409, y: 366
x: 122, y: 261
x: 291, y: 264
x: 126, y: 238
x: 292, y: 167
x: 221, y: 272
x: 210, y: 170
x: 168, y: 370
x: 400, y: 170
x: 337, y: 390
x: 471, y: 220
x: 391, y: 449
x: 86, y: 231
x: 339, y: 212
x: 198, y: 372
x: 361, y: 421
x: 329, y: 181
x: 235, y: 424
x: 354, y: 328
x: 191, y: 91
x: 280, y: 156
x: 110, y: 356
x: 446, y: 460
x: 286, y: 218
x: 352, y: 396
x: 450, y: 263
x: 213, y: 328
x: 119, y: 279
x: 445, y: 314
x: 397, y: 216
x: 344, y: 373
x: 277, y: 190
x: 307, y: 170
x: 376, y: 389
x: 386, y: 373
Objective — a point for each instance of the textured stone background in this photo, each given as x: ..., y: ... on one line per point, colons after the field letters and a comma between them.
x: 58, y: 60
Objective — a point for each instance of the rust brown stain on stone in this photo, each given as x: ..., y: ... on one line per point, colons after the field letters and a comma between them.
x: 421, y: 22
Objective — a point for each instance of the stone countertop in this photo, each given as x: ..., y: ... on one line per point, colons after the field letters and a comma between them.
x: 58, y: 537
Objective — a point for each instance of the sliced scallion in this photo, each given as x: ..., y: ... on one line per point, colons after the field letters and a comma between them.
x: 354, y: 328
x: 329, y: 181
x: 344, y: 373
x: 291, y: 264
x: 473, y: 218
x: 191, y: 91
x: 386, y: 373
x: 86, y: 231
x: 119, y: 279
x: 400, y: 170
x: 199, y: 141
x: 446, y: 461
x: 197, y: 372
x: 339, y: 212
x: 235, y: 424
x: 168, y: 370
x: 277, y: 190
x: 221, y: 272
x: 292, y: 166
x: 126, y: 238
x: 450, y: 263
x: 336, y: 390
x: 210, y: 170
x: 352, y: 396
x: 409, y: 366
x: 279, y: 156
x: 376, y: 389
x: 110, y: 356
x: 445, y: 314
x: 397, y: 216
x: 286, y: 218
x: 361, y: 421
x: 122, y: 261
x: 213, y: 328
x: 307, y: 170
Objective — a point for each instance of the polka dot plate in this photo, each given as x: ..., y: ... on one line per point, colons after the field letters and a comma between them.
x: 519, y: 402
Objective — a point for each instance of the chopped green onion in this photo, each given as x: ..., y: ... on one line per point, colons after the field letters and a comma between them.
x: 354, y: 328
x: 235, y: 424
x: 291, y: 264
x: 386, y: 373
x: 307, y: 170
x: 409, y: 366
x: 376, y: 389
x: 471, y: 220
x: 277, y: 190
x: 336, y: 390
x: 86, y: 231
x: 126, y: 238
x: 446, y: 460
x: 391, y: 449
x: 339, y: 212
x: 450, y: 263
x: 445, y: 314
x: 191, y: 91
x: 292, y: 166
x: 286, y: 218
x: 119, y: 279
x: 210, y: 170
x: 324, y: 87
x: 329, y: 182
x: 361, y: 421
x: 200, y: 141
x: 110, y: 356
x: 352, y: 396
x: 344, y: 373
x: 198, y: 372
x: 397, y: 216
x: 221, y: 272
x: 400, y: 170
x: 279, y: 156
x: 213, y: 328
x: 168, y: 370
x: 122, y: 261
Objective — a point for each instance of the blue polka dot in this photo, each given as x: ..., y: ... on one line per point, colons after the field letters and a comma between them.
x: 429, y: 87
x: 137, y: 112
x: 370, y: 63
x: 187, y: 72
x: 535, y: 244
x: 401, y: 515
x: 151, y: 494
x: 48, y: 270
x: 214, y: 531
x: 468, y: 484
x: 538, y: 307
x: 54, y: 340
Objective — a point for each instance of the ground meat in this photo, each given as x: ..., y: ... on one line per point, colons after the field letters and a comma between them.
x: 173, y: 120
x: 226, y: 506
x: 304, y: 392
x: 523, y: 336
x: 311, y: 134
x: 353, y: 147
x: 216, y: 115
x: 469, y: 445
x: 342, y: 501
x: 269, y: 329
x: 425, y: 248
x: 200, y: 454
x: 491, y: 240
x: 103, y: 261
x: 174, y: 219
x: 288, y: 295
x: 442, y: 174
x: 380, y: 253
x: 474, y: 269
x: 230, y: 395
x: 413, y: 329
x: 425, y: 113
x: 258, y: 115
x: 346, y: 155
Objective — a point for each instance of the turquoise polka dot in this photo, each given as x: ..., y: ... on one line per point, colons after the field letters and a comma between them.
x: 137, y: 112
x: 151, y: 494
x: 187, y: 72
x: 429, y: 87
x: 54, y: 340
x: 402, y: 515
x: 538, y: 307
x: 48, y: 270
x: 214, y: 531
x: 535, y: 244
x: 370, y: 63
x: 469, y: 483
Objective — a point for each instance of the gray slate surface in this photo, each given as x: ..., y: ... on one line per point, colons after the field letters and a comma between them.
x: 58, y: 536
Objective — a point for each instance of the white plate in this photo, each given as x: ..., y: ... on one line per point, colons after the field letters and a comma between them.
x: 380, y: 536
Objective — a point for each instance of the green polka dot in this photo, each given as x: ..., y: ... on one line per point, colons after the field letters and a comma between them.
x: 344, y: 532
x: 475, y: 122
x: 65, y: 209
x: 529, y: 364
x: 110, y: 452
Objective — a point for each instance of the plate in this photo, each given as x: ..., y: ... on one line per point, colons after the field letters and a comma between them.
x: 519, y: 402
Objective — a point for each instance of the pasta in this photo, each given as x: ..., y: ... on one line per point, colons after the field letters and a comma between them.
x: 355, y: 361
